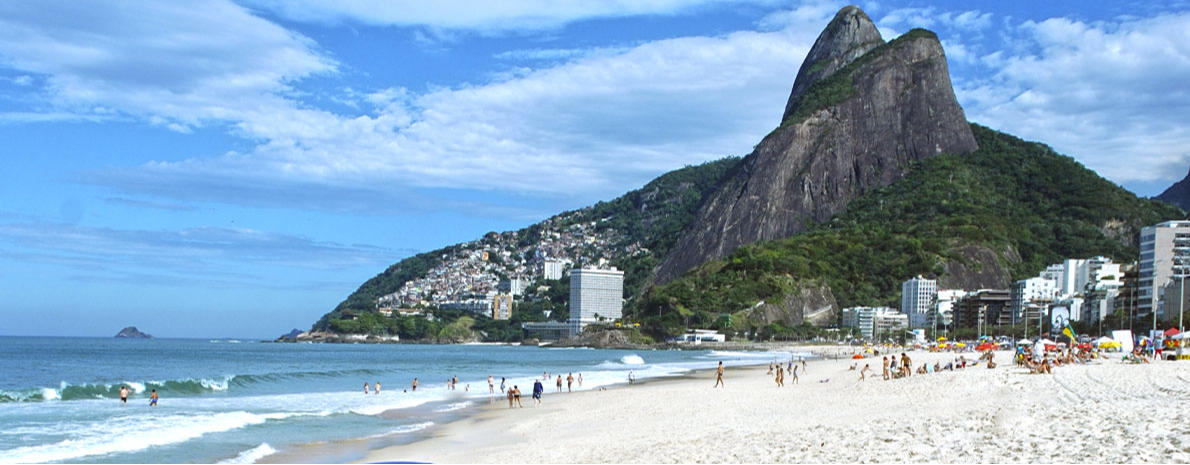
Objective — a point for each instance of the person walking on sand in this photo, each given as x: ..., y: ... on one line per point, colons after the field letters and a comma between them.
x: 414, y: 384
x: 780, y: 378
x: 770, y: 369
x: 510, y: 398
x: 491, y: 385
x: 863, y: 372
x: 719, y: 376
x: 516, y: 394
x: 569, y: 381
x: 559, y: 383
x: 794, y: 373
x: 123, y: 394
x: 153, y: 399
x: 631, y: 377
x: 538, y: 389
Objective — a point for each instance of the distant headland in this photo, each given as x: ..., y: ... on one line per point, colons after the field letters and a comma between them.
x: 133, y: 333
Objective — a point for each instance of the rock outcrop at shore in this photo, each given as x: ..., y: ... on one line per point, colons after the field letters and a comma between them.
x: 132, y: 333
x: 860, y: 111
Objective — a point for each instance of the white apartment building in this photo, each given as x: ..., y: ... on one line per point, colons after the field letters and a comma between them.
x: 512, y: 286
x: 1164, y: 256
x: 944, y: 306
x: 595, y: 295
x: 917, y: 299
x: 1040, y: 291
x: 552, y: 269
x: 865, y: 318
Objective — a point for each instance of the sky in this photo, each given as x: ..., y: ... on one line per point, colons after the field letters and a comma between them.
x: 222, y: 168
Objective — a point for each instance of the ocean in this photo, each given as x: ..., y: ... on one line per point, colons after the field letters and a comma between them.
x: 236, y: 401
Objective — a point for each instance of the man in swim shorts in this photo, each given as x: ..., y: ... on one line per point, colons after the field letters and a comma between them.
x: 719, y: 376
x: 123, y: 394
x: 153, y: 399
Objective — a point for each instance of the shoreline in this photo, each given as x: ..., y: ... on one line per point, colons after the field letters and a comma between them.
x: 1107, y: 411
x: 481, y: 411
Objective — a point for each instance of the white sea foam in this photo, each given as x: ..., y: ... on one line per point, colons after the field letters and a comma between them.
x: 253, y: 454
x: 453, y: 407
x: 136, y: 433
x: 49, y: 394
x: 632, y: 360
x: 403, y: 430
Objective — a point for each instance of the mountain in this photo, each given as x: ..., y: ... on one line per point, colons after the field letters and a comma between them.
x: 1177, y: 194
x: 861, y: 111
x: 977, y: 220
x: 873, y: 176
x: 132, y: 333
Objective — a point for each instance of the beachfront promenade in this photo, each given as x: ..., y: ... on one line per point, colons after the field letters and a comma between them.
x: 1105, y: 411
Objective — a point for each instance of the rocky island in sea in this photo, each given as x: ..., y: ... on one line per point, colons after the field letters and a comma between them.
x: 132, y: 333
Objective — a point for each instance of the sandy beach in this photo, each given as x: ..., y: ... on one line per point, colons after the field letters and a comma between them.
x: 1108, y: 411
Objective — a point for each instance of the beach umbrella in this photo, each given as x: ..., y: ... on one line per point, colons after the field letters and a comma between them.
x: 857, y: 356
x: 941, y: 338
x: 986, y: 346
x: 961, y: 344
x: 1023, y: 342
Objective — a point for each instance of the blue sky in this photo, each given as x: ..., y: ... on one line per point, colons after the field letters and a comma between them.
x: 219, y: 168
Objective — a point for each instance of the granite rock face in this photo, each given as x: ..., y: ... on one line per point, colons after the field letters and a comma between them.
x: 1178, y: 194
x: 860, y: 112
x: 810, y: 302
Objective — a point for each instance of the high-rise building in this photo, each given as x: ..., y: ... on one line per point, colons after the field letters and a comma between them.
x: 989, y: 306
x: 866, y: 319
x: 1164, y: 256
x: 1027, y: 293
x: 514, y: 286
x: 944, y: 305
x: 501, y: 307
x: 595, y: 296
x: 917, y: 299
x: 552, y: 269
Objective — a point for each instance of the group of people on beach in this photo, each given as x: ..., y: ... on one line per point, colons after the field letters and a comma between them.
x: 779, y: 371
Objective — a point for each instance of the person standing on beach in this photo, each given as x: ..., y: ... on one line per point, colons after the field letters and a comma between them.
x: 885, y: 363
x: 516, y: 394
x: 501, y: 384
x: 569, y: 381
x: 631, y: 377
x: 719, y: 376
x: 770, y: 369
x: 559, y: 383
x: 803, y: 364
x: 123, y: 394
x: 538, y: 389
x: 580, y: 380
x: 453, y: 382
x: 510, y: 398
x: 153, y: 399
x: 794, y: 372
x: 491, y: 385
x: 414, y: 384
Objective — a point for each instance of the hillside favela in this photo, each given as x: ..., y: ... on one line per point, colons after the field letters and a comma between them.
x: 645, y: 232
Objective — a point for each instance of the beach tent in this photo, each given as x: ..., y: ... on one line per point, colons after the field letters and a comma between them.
x: 1171, y: 332
x: 1102, y: 340
x: 986, y: 346
x: 1023, y: 342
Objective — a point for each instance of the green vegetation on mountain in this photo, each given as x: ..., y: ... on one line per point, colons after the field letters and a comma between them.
x: 1009, y: 195
x: 647, y: 221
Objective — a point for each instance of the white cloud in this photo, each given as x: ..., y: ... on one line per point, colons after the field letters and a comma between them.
x: 592, y: 127
x: 1112, y: 94
x: 478, y: 15
x: 176, y: 64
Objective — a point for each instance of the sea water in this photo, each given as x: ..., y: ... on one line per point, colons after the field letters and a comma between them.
x: 239, y: 401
